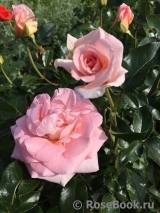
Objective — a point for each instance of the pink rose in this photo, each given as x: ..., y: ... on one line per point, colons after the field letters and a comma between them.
x: 96, y: 60
x: 125, y: 15
x: 59, y: 136
x: 25, y: 23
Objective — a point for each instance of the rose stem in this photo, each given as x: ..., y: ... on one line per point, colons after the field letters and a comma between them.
x: 115, y: 124
x: 34, y: 66
x: 84, y: 180
x: 7, y: 78
x: 101, y: 10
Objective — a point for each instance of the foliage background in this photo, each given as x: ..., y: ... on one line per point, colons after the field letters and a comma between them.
x: 130, y: 173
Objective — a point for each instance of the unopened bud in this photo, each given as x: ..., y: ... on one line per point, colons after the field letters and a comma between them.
x: 1, y: 60
x: 102, y: 3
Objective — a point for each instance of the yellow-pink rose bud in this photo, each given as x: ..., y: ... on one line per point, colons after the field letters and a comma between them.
x: 25, y: 23
x: 125, y: 16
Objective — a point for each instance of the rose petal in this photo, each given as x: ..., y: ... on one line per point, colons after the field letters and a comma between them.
x: 65, y: 63
x: 42, y: 149
x: 118, y: 79
x: 70, y: 42
x: 90, y: 37
x: 90, y: 93
x: 88, y: 165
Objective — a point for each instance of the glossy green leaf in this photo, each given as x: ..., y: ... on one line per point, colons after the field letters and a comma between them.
x: 150, y: 172
x: 74, y: 191
x: 155, y: 113
x: 130, y: 2
x: 6, y: 145
x: 7, y: 111
x: 142, y: 121
x: 15, y: 192
x: 28, y: 201
x: 153, y: 22
x: 19, y: 102
x: 130, y: 100
x: 47, y: 56
x: 45, y: 31
x: 28, y: 80
x: 155, y: 193
x: 136, y: 187
x: 108, y: 201
x: 27, y: 186
x: 153, y: 146
x: 152, y: 82
x: 129, y: 136
x: 112, y: 185
x: 142, y: 99
x: 144, y: 7
x: 131, y: 154
x: 137, y: 63
x: 122, y: 196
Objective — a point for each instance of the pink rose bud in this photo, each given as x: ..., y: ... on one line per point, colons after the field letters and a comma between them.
x: 25, y: 23
x: 96, y: 59
x: 59, y: 136
x: 125, y: 16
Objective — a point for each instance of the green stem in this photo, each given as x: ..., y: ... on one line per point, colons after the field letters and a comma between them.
x: 35, y: 68
x: 115, y: 146
x: 101, y: 13
x: 109, y: 98
x: 84, y: 180
x: 7, y: 78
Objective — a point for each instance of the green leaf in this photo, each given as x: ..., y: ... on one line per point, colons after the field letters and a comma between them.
x: 141, y: 122
x: 112, y: 185
x: 12, y: 183
x: 153, y: 146
x: 27, y: 186
x: 129, y: 2
x: 121, y: 196
x: 7, y: 111
x: 155, y: 113
x: 75, y: 190
x: 109, y: 207
x: 150, y: 172
x: 29, y: 79
x: 47, y: 56
x: 142, y: 99
x: 6, y: 145
x: 137, y: 63
x: 53, y: 210
x: 153, y: 22
x: 152, y: 81
x: 155, y: 193
x: 19, y: 102
x: 45, y: 31
x: 136, y: 187
x: 129, y: 136
x: 36, y: 209
x: 11, y: 178
x: 144, y: 7
x: 131, y: 154
x: 28, y: 201
x: 130, y: 100
x: 5, y: 87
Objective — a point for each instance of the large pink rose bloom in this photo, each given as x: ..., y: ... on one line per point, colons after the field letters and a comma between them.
x: 96, y: 60
x: 25, y: 23
x: 59, y: 136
